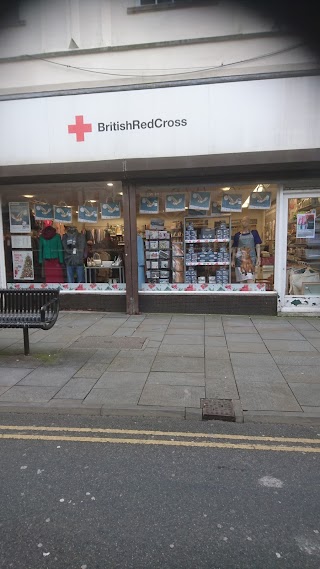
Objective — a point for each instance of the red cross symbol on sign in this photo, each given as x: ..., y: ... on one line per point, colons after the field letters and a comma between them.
x: 79, y: 128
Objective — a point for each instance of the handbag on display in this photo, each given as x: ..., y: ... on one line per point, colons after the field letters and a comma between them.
x: 298, y: 277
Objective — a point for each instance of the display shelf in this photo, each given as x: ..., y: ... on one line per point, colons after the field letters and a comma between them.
x: 204, y: 237
x: 205, y: 264
x: 207, y: 240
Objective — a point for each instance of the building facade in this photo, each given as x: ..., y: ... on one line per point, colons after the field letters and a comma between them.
x: 159, y: 156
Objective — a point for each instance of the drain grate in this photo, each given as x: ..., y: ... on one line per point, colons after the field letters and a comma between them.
x: 218, y: 409
x: 121, y: 342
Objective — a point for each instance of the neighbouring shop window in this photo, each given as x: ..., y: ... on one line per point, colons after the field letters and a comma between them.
x: 206, y: 238
x: 67, y: 236
x: 303, y: 250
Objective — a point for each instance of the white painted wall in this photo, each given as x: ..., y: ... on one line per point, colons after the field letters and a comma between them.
x: 51, y: 27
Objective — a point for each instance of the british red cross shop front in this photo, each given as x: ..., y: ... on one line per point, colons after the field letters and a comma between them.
x: 185, y: 208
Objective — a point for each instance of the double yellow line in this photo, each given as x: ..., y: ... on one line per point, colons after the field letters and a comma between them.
x: 159, y: 438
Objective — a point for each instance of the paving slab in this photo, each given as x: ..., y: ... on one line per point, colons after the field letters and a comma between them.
x: 214, y: 331
x: 28, y: 394
x: 49, y: 377
x: 11, y: 375
x: 254, y: 374
x: 315, y: 342
x: 182, y: 350
x: 114, y: 396
x: 222, y: 388
x: 187, y: 331
x: 180, y: 364
x: 91, y: 370
x: 123, y: 380
x: 281, y: 335
x: 103, y: 355
x: 300, y: 374
x: 243, y: 329
x: 306, y: 393
x: 217, y: 369
x: 6, y: 342
x: 129, y: 362
x: 269, y: 397
x: 172, y: 395
x: 217, y: 353
x: 215, y: 342
x: 243, y: 338
x: 300, y: 323
x: 172, y: 378
x: 249, y: 360
x: 247, y: 347
x: 183, y: 340
x: 76, y: 389
x: 289, y: 346
x: 4, y: 388
x: 311, y: 334
x: 297, y: 358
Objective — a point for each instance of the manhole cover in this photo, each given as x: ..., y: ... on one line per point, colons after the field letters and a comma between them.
x: 219, y: 409
x: 121, y: 342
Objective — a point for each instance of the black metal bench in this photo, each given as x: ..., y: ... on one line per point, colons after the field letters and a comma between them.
x: 28, y: 309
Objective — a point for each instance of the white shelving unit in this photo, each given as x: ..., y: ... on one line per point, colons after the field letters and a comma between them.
x: 195, y: 247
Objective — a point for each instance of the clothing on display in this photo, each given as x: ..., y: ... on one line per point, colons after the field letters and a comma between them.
x: 245, y: 243
x: 74, y: 246
x: 51, y: 255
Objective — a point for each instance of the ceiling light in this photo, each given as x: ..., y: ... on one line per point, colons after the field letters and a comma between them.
x: 93, y: 201
x: 120, y: 193
x: 259, y: 188
x: 28, y: 196
x: 109, y: 184
x: 226, y: 189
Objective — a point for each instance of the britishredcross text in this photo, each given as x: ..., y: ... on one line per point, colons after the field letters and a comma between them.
x: 137, y: 125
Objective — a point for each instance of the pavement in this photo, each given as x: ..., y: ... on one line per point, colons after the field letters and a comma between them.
x: 163, y: 365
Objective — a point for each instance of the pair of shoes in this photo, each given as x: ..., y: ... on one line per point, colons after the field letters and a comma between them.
x: 117, y: 262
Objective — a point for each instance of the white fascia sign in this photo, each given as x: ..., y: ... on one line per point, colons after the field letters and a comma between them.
x: 248, y: 116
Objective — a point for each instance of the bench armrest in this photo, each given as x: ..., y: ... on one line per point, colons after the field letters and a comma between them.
x: 43, y: 309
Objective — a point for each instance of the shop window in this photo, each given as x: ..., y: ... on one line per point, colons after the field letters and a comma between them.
x: 206, y: 239
x: 303, y: 251
x: 71, y: 237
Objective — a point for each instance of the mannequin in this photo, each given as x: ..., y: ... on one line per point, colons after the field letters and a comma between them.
x: 51, y: 255
x: 246, y: 252
x: 74, y: 245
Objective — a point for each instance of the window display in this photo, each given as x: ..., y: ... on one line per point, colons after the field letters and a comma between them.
x: 64, y: 231
x: 213, y: 244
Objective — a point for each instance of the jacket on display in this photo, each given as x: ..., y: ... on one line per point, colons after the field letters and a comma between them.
x: 50, y: 246
x: 74, y: 246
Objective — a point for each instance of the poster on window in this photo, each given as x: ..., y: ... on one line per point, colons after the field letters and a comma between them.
x: 200, y: 201
x: 21, y: 242
x: 62, y: 213
x: 149, y: 205
x: 231, y: 202
x: 22, y: 262
x: 87, y: 214
x: 260, y: 200
x: 110, y: 210
x: 43, y: 212
x: 19, y: 214
x: 306, y: 225
x: 175, y: 202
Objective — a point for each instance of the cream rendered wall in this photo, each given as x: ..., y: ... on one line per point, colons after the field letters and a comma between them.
x: 56, y: 28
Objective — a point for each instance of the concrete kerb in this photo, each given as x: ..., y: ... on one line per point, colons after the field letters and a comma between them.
x: 187, y: 413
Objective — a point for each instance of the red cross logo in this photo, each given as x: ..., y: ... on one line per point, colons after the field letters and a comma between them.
x: 79, y: 128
